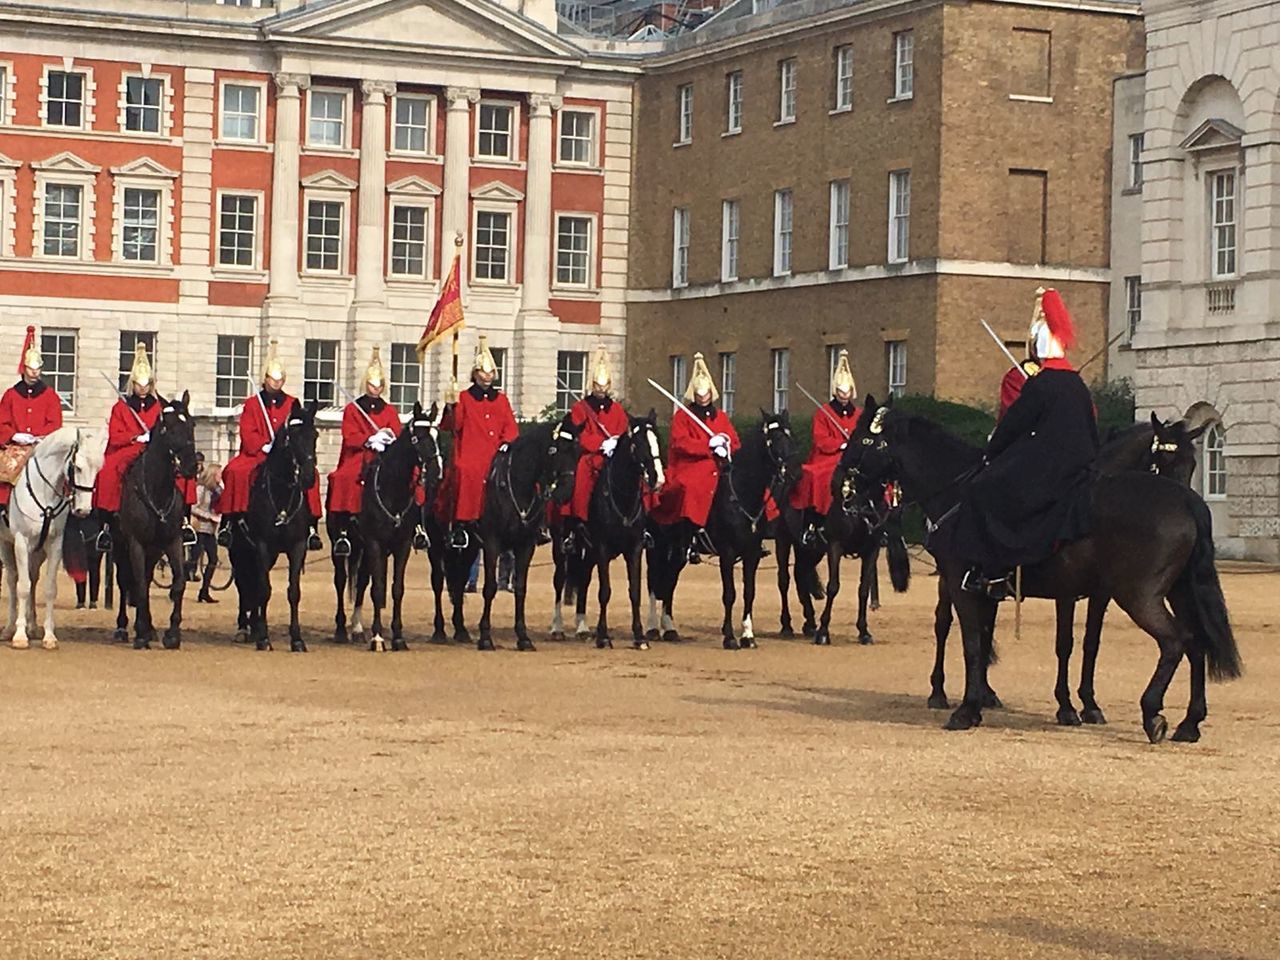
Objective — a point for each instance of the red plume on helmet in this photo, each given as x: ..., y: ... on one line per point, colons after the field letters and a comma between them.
x: 1059, y: 321
x: 26, y: 345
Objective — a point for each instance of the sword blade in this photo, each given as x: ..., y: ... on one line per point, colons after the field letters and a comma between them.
x: 823, y: 407
x: 680, y: 406
x: 1003, y: 349
x: 351, y: 399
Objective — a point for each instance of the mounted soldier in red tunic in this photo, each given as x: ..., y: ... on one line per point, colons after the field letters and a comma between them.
x: 261, y: 419
x: 603, y: 420
x: 832, y: 425
x: 29, y: 411
x: 695, y: 457
x: 369, y: 425
x: 481, y: 421
x: 1034, y: 493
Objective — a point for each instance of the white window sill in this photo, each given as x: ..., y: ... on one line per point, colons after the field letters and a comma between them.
x: 784, y: 123
x: 146, y: 135
x: 733, y: 279
x: 782, y: 273
x: 838, y: 266
x: 730, y: 133
x: 149, y: 265
x: 317, y: 150
x: 839, y: 110
x: 239, y: 274
x: 1133, y: 191
x: 582, y: 168
x: 897, y: 263
x: 81, y: 133
x: 680, y: 286
x: 401, y: 281
x: 246, y: 145
x: 64, y: 128
x: 574, y: 293
x: 43, y: 264
x: 415, y: 156
x: 682, y: 143
x: 502, y: 162
x: 493, y: 284
x: 1029, y: 98
x: 906, y: 97
x: 319, y: 279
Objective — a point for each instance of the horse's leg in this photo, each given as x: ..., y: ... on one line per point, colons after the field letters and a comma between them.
x: 1066, y: 611
x: 750, y: 565
x: 376, y: 564
x: 822, y: 636
x: 783, y: 543
x: 866, y: 588
x: 340, y: 578
x: 975, y: 615
x: 436, y: 559
x: 10, y: 565
x: 1090, y: 712
x: 677, y: 558
x: 605, y: 592
x: 520, y: 585
x: 172, y: 639
x: 558, y: 579
x: 728, y: 595
x: 806, y: 582
x: 1188, y: 731
x: 638, y: 638
x: 122, y: 573
x: 297, y: 557
x: 491, y: 552
x: 54, y: 563
x: 400, y: 560
x: 942, y: 620
x: 260, y: 594
x: 22, y: 591
x: 1173, y: 637
x: 456, y: 572
x: 360, y: 573
x: 140, y: 583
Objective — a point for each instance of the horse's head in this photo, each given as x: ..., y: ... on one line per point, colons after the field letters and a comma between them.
x: 297, y: 441
x: 175, y: 431
x: 561, y: 463
x: 642, y: 439
x: 1173, y: 449
x: 784, y: 463
x: 869, y: 461
x: 423, y: 431
x: 82, y: 469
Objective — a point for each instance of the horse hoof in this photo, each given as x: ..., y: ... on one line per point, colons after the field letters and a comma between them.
x: 242, y: 636
x: 1187, y: 732
x: 439, y: 637
x: 295, y: 646
x: 1068, y: 717
x: 809, y: 629
x: 1157, y: 727
x: 822, y: 640
x: 20, y: 643
x: 263, y: 644
x: 749, y: 643
x: 399, y: 646
x: 120, y: 636
x: 604, y: 643
x: 866, y: 639
x: 640, y: 644
x: 992, y: 702
x: 963, y: 719
x: 939, y: 701
x: 340, y: 636
x: 731, y: 644
x: 49, y: 643
x: 670, y: 636
x: 874, y: 605
x: 358, y: 638
x: 172, y: 641
x: 786, y: 633
x: 1093, y: 715
x: 557, y: 636
x: 652, y: 636
x: 485, y: 644
x: 462, y: 636
x: 525, y: 644
x: 142, y: 644
x: 376, y: 645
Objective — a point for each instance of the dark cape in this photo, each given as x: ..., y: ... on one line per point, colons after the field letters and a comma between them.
x: 1036, y: 492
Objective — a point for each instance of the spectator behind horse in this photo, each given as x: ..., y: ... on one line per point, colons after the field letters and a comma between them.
x: 205, y: 518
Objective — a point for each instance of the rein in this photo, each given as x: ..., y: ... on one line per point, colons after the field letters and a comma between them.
x: 777, y: 463
x: 541, y: 492
x: 51, y: 512
x: 397, y: 517
x: 632, y: 518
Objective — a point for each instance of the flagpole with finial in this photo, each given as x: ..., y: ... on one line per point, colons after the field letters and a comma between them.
x: 457, y: 245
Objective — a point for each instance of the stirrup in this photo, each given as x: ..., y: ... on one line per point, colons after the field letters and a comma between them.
x: 189, y: 538
x: 342, y: 546
x: 102, y: 542
x: 459, y: 538
x: 420, y: 539
x: 224, y: 535
x: 702, y: 543
x: 995, y: 589
x: 314, y: 542
x: 810, y: 536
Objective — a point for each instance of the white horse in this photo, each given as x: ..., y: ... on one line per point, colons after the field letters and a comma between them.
x: 58, y: 479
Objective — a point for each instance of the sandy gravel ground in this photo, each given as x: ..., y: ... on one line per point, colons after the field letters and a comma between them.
x: 685, y: 802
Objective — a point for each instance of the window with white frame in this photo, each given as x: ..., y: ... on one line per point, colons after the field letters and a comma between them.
x: 65, y: 99
x: 680, y: 248
x: 573, y: 250
x: 577, y: 137
x: 684, y: 113
x: 781, y: 378
x: 238, y: 230
x: 326, y: 229
x: 833, y: 359
x: 899, y: 216
x: 896, y: 351
x: 5, y: 103
x: 499, y: 366
x: 903, y: 65
x: 63, y: 220
x: 1215, y: 463
x: 411, y: 132
x: 406, y: 376
x: 143, y: 103
x: 838, y: 238
x: 1136, y: 142
x: 786, y: 90
x: 320, y: 372
x: 140, y: 225
x: 327, y: 118
x: 495, y: 131
x: 728, y: 382
x: 492, y: 247
x: 1222, y: 201
x: 410, y: 241
x: 571, y: 378
x: 231, y: 382
x: 241, y: 106
x: 129, y: 340
x: 782, y: 222
x: 733, y: 102
x: 1132, y: 306
x: 679, y: 375
x: 730, y: 226
x: 844, y: 77
x: 58, y: 347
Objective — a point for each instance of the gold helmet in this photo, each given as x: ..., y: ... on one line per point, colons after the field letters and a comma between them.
x: 31, y: 356
x: 141, y: 373
x: 600, y: 373
x: 374, y: 375
x: 484, y: 361
x: 842, y: 376
x: 700, y: 382
x: 274, y: 367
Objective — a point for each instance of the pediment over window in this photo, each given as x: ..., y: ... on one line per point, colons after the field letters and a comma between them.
x: 8, y: 164
x: 497, y: 190
x: 1213, y: 134
x: 329, y: 180
x: 65, y: 162
x: 414, y: 186
x: 145, y: 167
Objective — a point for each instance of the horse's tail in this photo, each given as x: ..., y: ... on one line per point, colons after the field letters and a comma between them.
x: 75, y: 553
x: 1200, y: 579
x: 899, y: 562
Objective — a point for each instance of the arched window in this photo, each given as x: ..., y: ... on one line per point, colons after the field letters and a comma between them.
x: 1215, y: 463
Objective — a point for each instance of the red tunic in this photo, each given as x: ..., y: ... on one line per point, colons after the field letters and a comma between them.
x: 600, y: 419
x: 127, y: 422
x: 814, y: 488
x: 256, y: 432
x: 346, y: 483
x: 190, y: 489
x: 1010, y: 389
x: 24, y: 410
x: 692, y: 469
x: 481, y: 421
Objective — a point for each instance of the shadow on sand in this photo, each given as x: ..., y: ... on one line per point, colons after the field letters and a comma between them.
x: 1109, y: 943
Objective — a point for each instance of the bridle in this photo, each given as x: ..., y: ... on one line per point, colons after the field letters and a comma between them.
x: 165, y: 513
x: 777, y: 474
x: 397, y: 517
x: 1158, y: 447
x: 643, y: 429
x: 290, y: 509
x: 65, y: 492
x: 542, y: 492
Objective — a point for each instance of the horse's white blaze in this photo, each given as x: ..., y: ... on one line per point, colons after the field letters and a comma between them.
x: 747, y: 632
x: 582, y: 627
x: 653, y: 612
x: 657, y: 459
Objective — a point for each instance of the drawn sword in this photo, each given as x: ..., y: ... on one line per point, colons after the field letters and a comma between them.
x: 1003, y: 349
x: 823, y: 407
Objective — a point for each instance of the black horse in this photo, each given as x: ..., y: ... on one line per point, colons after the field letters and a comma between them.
x: 614, y: 527
x: 277, y: 522
x: 150, y: 522
x: 535, y: 469
x: 766, y: 464
x: 1151, y: 542
x: 1166, y: 449
x: 388, y: 519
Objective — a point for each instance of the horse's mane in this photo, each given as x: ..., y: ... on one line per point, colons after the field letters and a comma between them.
x: 531, y: 436
x: 1119, y: 436
x: 941, y: 440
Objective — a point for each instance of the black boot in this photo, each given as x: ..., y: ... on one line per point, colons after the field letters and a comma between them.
x: 204, y: 595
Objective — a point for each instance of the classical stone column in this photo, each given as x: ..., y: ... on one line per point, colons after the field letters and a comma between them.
x: 284, y: 187
x: 536, y: 289
x: 457, y: 167
x: 372, y: 223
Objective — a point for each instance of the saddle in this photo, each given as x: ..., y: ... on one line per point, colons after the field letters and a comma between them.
x: 13, y: 460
